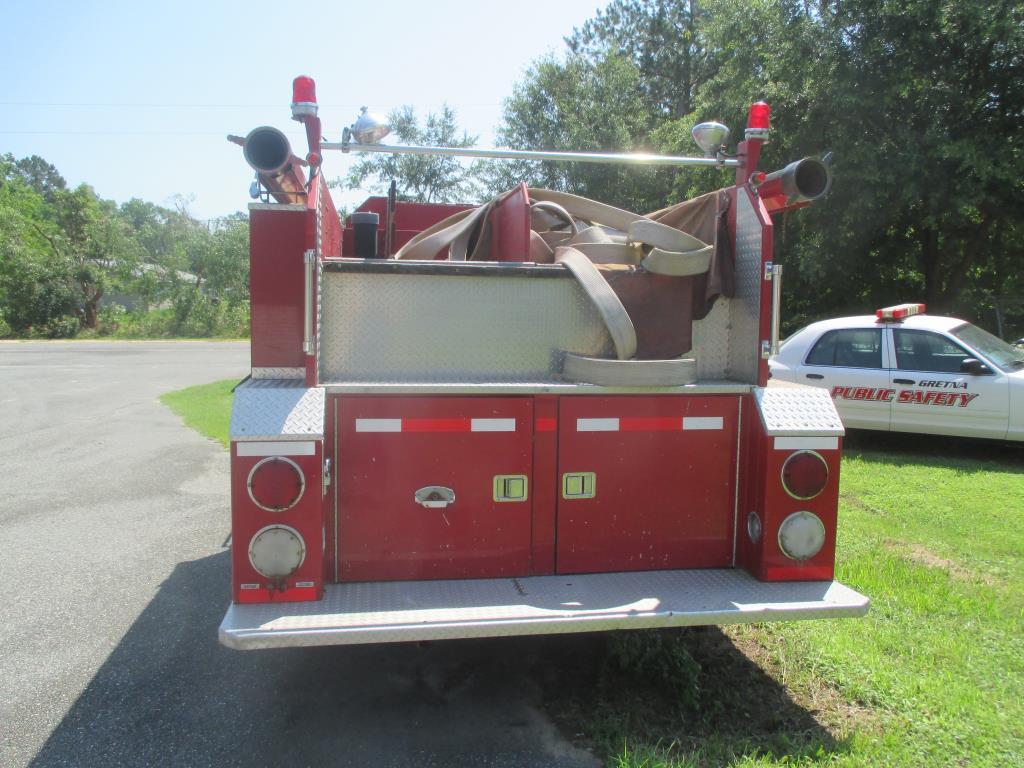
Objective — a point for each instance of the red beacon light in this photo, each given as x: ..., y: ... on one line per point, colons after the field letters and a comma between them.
x: 899, y: 311
x: 303, y: 97
x: 759, y: 121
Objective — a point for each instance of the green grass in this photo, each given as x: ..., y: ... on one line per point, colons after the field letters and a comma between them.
x: 931, y: 530
x: 206, y: 408
x: 934, y: 675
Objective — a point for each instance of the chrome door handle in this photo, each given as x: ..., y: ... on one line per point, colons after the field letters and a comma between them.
x: 434, y: 497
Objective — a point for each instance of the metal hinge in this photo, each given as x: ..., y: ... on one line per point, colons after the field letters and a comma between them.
x: 309, y: 259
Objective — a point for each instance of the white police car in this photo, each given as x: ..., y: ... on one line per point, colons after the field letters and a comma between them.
x: 905, y: 371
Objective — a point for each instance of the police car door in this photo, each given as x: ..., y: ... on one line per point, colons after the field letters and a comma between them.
x: 934, y: 396
x: 849, y: 363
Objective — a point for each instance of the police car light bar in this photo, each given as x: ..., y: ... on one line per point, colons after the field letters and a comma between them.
x: 899, y: 311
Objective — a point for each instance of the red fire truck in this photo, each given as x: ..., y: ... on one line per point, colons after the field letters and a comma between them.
x: 539, y: 415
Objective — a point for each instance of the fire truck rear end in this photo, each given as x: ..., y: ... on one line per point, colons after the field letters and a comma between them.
x: 457, y: 426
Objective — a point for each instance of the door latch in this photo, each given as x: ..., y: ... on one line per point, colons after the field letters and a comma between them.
x: 434, y: 497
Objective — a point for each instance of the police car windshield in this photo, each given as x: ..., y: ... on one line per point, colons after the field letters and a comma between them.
x: 1006, y: 357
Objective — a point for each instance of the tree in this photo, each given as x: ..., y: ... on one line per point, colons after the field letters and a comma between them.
x: 922, y: 102
x: 40, y: 176
x: 579, y: 105
x: 420, y: 178
x: 664, y: 41
x: 35, y: 291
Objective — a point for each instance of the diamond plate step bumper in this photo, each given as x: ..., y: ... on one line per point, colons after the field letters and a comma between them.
x: 384, y: 612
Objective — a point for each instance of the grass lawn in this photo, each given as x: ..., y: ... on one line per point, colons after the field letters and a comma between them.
x: 206, y: 408
x: 933, y: 676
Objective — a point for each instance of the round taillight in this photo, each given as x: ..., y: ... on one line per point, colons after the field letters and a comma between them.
x: 276, y: 483
x: 801, y: 536
x: 277, y: 551
x: 804, y: 475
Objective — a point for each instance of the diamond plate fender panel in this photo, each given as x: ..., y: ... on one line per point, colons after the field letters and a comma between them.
x: 277, y: 409
x: 797, y: 410
x: 745, y: 308
x: 279, y: 373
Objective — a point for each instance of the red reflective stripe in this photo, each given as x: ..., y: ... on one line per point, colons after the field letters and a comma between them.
x: 545, y: 425
x: 300, y: 593
x: 289, y: 595
x: 650, y: 424
x: 436, y: 425
x: 800, y: 573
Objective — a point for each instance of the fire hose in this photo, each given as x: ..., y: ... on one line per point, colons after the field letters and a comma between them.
x: 612, y: 236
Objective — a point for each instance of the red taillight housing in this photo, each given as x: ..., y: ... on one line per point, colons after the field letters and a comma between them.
x: 276, y: 484
x: 804, y: 475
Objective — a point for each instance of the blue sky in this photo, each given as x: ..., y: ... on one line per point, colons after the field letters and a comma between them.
x: 136, y: 98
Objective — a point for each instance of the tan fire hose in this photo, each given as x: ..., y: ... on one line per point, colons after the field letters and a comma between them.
x: 633, y: 240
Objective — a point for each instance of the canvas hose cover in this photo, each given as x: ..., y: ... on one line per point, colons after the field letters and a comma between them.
x: 658, y: 248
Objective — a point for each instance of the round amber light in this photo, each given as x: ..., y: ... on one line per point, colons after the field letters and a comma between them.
x: 804, y: 475
x: 276, y: 483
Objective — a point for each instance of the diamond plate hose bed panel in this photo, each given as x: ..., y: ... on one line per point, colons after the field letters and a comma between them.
x: 434, y: 610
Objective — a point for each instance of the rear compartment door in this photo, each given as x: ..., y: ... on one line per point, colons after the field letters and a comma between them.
x: 646, y: 482
x: 433, y: 487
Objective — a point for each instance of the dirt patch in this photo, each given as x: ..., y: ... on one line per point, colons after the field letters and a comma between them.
x: 919, y: 555
x: 858, y: 503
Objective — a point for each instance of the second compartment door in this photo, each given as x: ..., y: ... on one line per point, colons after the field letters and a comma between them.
x: 646, y: 482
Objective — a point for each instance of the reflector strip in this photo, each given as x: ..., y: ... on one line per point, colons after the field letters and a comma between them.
x: 277, y: 448
x: 435, y: 425
x: 545, y: 424
x: 813, y: 443
x: 460, y: 424
x: 703, y: 422
x: 493, y: 425
x: 650, y: 424
x: 597, y: 425
x: 378, y: 425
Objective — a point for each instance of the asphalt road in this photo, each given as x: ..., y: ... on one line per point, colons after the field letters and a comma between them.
x: 114, y: 576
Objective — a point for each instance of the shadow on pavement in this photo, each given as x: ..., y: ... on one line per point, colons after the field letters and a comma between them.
x: 169, y: 694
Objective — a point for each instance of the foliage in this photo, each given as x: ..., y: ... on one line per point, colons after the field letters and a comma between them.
x: 662, y: 659
x: 583, y: 106
x: 72, y: 262
x: 664, y: 41
x: 922, y: 102
x: 420, y: 178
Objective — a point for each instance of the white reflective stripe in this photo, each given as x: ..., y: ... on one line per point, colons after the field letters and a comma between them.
x: 796, y: 443
x: 493, y: 425
x: 702, y: 422
x: 378, y: 425
x: 277, y: 448
x: 597, y: 425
